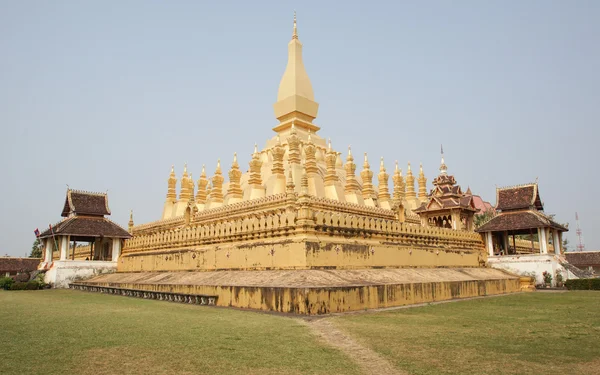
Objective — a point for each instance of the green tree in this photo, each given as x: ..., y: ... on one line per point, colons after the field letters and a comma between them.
x: 36, y: 249
x: 481, y: 219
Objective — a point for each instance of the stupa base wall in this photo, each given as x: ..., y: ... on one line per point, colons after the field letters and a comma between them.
x: 312, y: 292
x: 302, y: 252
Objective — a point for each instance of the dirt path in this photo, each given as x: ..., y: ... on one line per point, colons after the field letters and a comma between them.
x: 369, y: 362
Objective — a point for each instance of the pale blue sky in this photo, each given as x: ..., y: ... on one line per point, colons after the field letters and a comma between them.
x: 108, y: 94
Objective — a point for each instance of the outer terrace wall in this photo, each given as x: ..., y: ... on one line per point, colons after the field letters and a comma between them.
x: 324, y: 300
x: 279, y: 232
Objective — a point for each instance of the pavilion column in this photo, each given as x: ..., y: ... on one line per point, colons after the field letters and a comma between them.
x: 557, y: 244
x: 64, y: 247
x: 489, y: 243
x: 542, y: 240
x: 48, y: 250
x: 116, y: 249
x: 505, y: 241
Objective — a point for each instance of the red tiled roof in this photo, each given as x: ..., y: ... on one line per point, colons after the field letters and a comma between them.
x: 18, y: 264
x: 519, y: 197
x: 85, y: 203
x: 583, y: 258
x: 508, y: 221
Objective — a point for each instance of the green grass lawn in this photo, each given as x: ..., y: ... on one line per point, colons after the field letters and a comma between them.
x: 530, y: 333
x: 71, y: 332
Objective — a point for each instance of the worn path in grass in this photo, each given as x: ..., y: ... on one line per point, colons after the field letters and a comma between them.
x: 368, y: 360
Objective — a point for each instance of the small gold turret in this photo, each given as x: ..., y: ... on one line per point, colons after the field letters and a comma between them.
x: 422, y: 185
x: 383, y: 192
x: 398, y: 185
x: 172, y: 190
x: 290, y: 189
x: 330, y: 158
x: 216, y: 194
x: 278, y: 153
x: 202, y: 184
x: 352, y: 186
x: 130, y: 224
x: 235, y: 191
x: 185, y: 193
x: 294, y: 146
x: 410, y: 184
x: 311, y: 160
x: 255, y: 163
x: 367, y: 179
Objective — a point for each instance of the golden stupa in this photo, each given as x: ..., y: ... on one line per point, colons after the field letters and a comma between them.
x: 300, y: 231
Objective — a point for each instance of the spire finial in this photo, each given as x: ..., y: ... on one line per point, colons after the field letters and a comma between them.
x: 396, y: 166
x: 203, y: 173
x: 443, y: 167
x: 185, y: 168
x: 381, y: 164
x: 255, y: 148
x: 349, y: 150
x: 235, y: 157
x: 295, y: 34
x: 172, y: 169
x: 329, y: 144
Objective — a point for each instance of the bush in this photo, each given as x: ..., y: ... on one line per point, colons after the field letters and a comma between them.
x: 583, y: 284
x: 18, y: 286
x: 6, y: 282
x: 30, y: 285
x: 547, y: 278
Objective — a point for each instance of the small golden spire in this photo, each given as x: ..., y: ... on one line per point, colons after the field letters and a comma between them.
x: 185, y: 168
x: 366, y: 163
x: 381, y: 166
x: 329, y: 145
x: 295, y: 33
x: 235, y: 158
x: 255, y: 148
x: 349, y: 150
x: 203, y: 174
x: 172, y: 169
x: 396, y: 170
x: 218, y: 166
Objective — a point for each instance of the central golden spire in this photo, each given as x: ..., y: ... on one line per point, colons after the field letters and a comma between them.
x: 295, y: 99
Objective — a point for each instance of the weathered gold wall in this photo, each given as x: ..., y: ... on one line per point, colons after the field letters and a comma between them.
x: 312, y: 301
x: 301, y: 252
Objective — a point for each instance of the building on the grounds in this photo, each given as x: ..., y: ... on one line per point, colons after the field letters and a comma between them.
x: 84, y: 222
x: 302, y: 231
x: 11, y: 266
x: 447, y: 206
x: 521, y: 237
x: 585, y: 260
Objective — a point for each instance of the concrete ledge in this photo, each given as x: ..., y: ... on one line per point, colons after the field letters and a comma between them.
x: 313, y: 292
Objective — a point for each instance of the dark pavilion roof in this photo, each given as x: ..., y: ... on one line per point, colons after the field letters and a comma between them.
x: 86, y: 227
x: 14, y: 265
x: 446, y: 195
x: 520, y: 221
x: 583, y: 258
x: 520, y: 210
x: 85, y: 203
x: 519, y: 198
x: 84, y: 217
